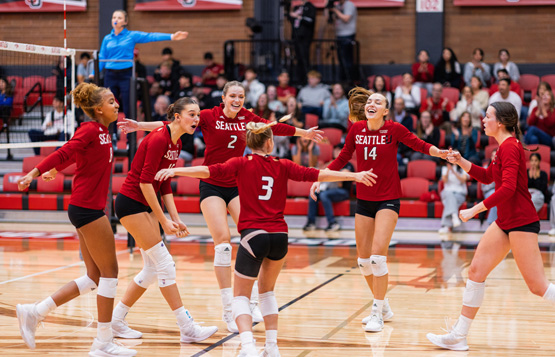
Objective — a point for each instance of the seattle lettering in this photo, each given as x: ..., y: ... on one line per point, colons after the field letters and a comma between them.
x: 222, y: 125
x: 371, y: 140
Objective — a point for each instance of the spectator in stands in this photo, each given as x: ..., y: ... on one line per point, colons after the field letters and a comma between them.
x: 59, y: 72
x: 253, y: 87
x: 477, y: 68
x: 468, y: 104
x: 410, y: 94
x: 85, y: 68
x: 426, y: 131
x: 505, y: 95
x: 453, y: 196
x: 541, y: 122
x: 6, y: 101
x: 400, y: 115
x: 284, y: 90
x: 330, y: 193
x: 464, y: 138
x: 184, y: 86
x: 167, y: 56
x: 481, y: 95
x: 297, y: 116
x: 282, y: 147
x: 262, y: 109
x: 438, y: 106
x: 448, y: 69
x: 378, y: 86
x: 303, y: 18
x: 53, y: 126
x: 305, y: 152
x: 273, y: 103
x: 211, y: 71
x: 345, y: 14
x: 313, y: 95
x: 488, y: 190
x: 542, y: 87
x: 335, y: 113
x: 505, y: 63
x: 423, y: 71
x: 502, y: 73
x: 537, y: 181
x: 215, y: 97
x: 154, y: 91
x: 168, y: 81
x: 161, y: 108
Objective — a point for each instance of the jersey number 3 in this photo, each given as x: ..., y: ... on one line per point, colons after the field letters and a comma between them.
x: 268, y: 187
x: 233, y: 140
x: 371, y: 154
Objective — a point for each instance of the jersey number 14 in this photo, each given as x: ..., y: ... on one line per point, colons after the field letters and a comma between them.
x: 371, y: 154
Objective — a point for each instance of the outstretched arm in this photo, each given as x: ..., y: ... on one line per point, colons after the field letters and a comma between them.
x: 366, y: 177
x: 195, y: 171
x: 129, y: 125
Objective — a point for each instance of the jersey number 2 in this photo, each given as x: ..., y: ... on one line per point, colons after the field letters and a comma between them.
x: 267, y: 187
x: 233, y: 140
x: 371, y: 154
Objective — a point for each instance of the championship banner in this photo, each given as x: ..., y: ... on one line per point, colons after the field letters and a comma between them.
x: 502, y: 2
x: 187, y: 5
x: 42, y: 5
x: 360, y: 3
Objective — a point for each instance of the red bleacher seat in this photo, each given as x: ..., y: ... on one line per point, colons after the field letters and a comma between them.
x: 414, y: 187
x: 56, y: 185
x: 387, y: 81
x: 70, y: 170
x: 549, y: 78
x: 117, y: 182
x: 333, y: 134
x: 30, y: 162
x: 543, y: 150
x: 298, y: 189
x: 16, y: 81
x: 422, y: 168
x: 29, y: 82
x: 529, y: 82
x: 326, y: 152
x: 197, y: 161
x: 187, y: 204
x: 50, y: 84
x: 453, y: 94
x: 187, y: 186
x: 48, y: 98
x: 396, y: 81
x: 47, y: 150
x: 10, y: 181
x: 310, y: 120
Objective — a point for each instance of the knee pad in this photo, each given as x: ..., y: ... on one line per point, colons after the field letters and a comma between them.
x: 365, y: 266
x: 379, y: 265
x: 148, y: 275
x: 85, y: 284
x: 473, y: 293
x: 240, y: 306
x: 107, y: 287
x: 165, y: 266
x: 222, y: 255
x: 268, y: 304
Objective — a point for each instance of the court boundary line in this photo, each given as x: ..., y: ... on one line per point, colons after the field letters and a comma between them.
x: 229, y: 337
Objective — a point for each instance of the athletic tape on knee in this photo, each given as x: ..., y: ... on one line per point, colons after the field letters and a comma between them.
x: 148, y: 275
x: 165, y: 266
x: 85, y: 284
x: 365, y: 266
x: 222, y: 255
x: 379, y: 265
x: 240, y: 306
x: 107, y: 287
x: 268, y: 304
x: 473, y: 293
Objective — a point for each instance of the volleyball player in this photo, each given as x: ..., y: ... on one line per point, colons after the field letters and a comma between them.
x: 139, y: 211
x: 516, y: 228
x: 262, y: 185
x: 91, y: 150
x: 223, y: 129
x: 375, y: 141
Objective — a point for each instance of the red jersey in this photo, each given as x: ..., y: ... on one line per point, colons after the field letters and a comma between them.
x: 214, y: 68
x: 226, y: 138
x: 262, y: 185
x: 511, y: 196
x: 437, y: 109
x: 286, y: 91
x: 426, y: 77
x: 91, y: 149
x: 156, y: 152
x: 377, y: 149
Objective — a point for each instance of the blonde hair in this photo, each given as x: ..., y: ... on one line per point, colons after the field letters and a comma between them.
x: 88, y: 96
x: 258, y: 134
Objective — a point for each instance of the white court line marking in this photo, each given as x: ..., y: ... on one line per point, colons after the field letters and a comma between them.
x: 52, y: 270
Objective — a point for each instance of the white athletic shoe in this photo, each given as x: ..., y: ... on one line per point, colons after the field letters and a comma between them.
x: 256, y: 313
x: 456, y: 220
x: 108, y: 349
x: 193, y: 332
x: 229, y: 321
x: 451, y: 341
x: 248, y: 350
x: 29, y: 319
x: 444, y: 230
x: 270, y: 350
x: 121, y: 329
x: 387, y: 313
x: 551, y: 232
x: 375, y: 324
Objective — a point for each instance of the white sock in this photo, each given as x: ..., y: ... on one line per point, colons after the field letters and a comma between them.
x: 120, y: 312
x: 254, y: 293
x: 104, y: 332
x: 227, y: 297
x: 271, y: 336
x: 378, y: 306
x: 246, y: 337
x: 550, y: 293
x: 463, y: 325
x: 46, y: 306
x: 183, y: 316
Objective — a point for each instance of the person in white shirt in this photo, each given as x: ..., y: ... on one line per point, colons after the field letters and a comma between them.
x: 53, y: 126
x: 504, y: 62
x: 453, y: 196
x: 410, y: 93
x: 253, y: 87
x: 467, y: 104
x: 477, y: 68
x: 505, y: 95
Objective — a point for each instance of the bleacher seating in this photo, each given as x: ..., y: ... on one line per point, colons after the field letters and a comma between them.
x: 333, y: 134
x: 422, y: 168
